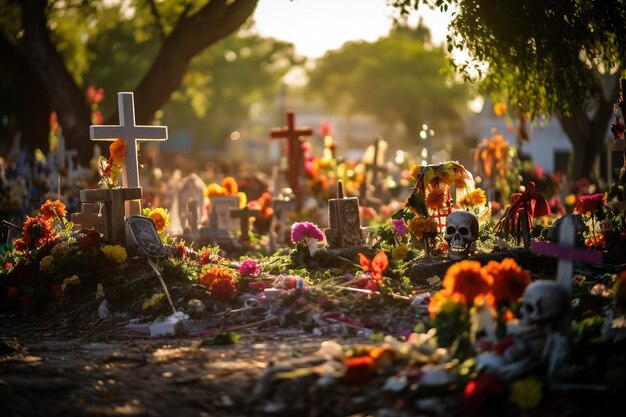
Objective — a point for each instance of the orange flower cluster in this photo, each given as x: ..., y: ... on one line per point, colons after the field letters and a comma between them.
x: 228, y: 186
x: 422, y: 227
x: 493, y: 152
x: 376, y: 266
x: 112, y: 168
x: 219, y: 281
x: 436, y: 197
x: 467, y: 282
x: 39, y: 230
x: 265, y: 205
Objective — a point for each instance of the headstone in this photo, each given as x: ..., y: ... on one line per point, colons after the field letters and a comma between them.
x: 244, y: 215
x: 282, y: 206
x: 113, y: 226
x: 294, y: 152
x: 344, y: 220
x: 191, y: 202
x: 222, y: 206
x: 132, y: 135
x: 213, y: 232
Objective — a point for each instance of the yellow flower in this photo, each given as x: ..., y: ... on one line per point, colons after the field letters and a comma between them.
x: 415, y: 171
x: 399, y: 252
x: 527, y: 393
x: 214, y: 189
x: 47, y: 264
x: 571, y: 199
x: 115, y: 253
x: 160, y: 217
x: 474, y: 198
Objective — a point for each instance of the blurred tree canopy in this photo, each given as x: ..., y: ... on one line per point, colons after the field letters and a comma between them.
x: 544, y: 56
x: 397, y: 79
x: 52, y: 49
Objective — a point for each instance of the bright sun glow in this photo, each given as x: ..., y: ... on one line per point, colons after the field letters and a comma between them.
x: 317, y: 26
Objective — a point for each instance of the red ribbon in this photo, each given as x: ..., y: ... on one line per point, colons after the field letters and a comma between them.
x: 534, y: 204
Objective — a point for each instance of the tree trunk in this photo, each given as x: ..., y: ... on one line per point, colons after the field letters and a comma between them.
x: 191, y: 36
x: 588, y: 135
x: 31, y: 105
x: 65, y: 96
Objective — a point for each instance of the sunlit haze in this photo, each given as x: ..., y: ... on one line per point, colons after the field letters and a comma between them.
x: 317, y: 26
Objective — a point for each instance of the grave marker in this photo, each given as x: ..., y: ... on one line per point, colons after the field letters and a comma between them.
x: 131, y: 133
x: 114, y: 226
x: 294, y: 153
x: 244, y: 215
x: 88, y: 218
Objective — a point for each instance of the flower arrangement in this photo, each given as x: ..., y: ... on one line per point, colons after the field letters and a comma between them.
x: 46, y: 227
x: 111, y: 169
x: 422, y: 227
x: 467, y: 287
x: 592, y: 207
x: 115, y: 253
x: 374, y: 269
x: 227, y: 187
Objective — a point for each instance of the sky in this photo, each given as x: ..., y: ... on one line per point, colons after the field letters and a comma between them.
x: 316, y: 26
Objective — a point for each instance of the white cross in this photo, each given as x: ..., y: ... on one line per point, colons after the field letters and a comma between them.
x: 131, y: 133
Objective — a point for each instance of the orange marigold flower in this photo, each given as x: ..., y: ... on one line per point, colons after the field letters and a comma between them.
x: 509, y: 280
x: 36, y: 232
x: 229, y: 186
x: 436, y: 198
x: 443, y: 301
x: 51, y: 209
x: 469, y: 279
x: 595, y: 241
x: 420, y: 227
x: 118, y: 150
x: 219, y: 281
x: 160, y: 217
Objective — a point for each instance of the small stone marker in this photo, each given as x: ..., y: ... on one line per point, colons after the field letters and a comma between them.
x: 244, y: 215
x: 281, y: 207
x: 294, y: 153
x: 344, y: 220
x: 132, y: 135
x: 88, y: 218
x: 222, y: 205
x: 113, y: 227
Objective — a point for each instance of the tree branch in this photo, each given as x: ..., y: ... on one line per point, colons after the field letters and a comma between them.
x: 157, y: 18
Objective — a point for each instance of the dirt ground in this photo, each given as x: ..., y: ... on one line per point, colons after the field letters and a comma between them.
x: 104, y: 369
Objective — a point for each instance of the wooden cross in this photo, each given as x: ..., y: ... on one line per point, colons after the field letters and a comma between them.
x: 294, y: 153
x: 132, y: 135
x: 114, y: 228
x: 244, y: 215
x: 567, y: 253
x: 88, y: 218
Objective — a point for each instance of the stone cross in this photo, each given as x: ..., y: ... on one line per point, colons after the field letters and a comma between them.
x: 244, y: 215
x: 294, y: 153
x: 132, y: 135
x: 281, y: 207
x: 114, y: 227
x: 88, y: 218
x: 567, y: 253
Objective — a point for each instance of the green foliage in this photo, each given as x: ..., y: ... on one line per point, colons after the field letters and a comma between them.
x: 397, y: 79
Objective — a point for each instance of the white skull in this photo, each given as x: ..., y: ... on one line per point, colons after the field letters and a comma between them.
x: 544, y: 302
x: 461, y: 231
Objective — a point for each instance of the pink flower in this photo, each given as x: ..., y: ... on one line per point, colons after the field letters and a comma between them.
x: 249, y: 267
x: 587, y: 204
x: 302, y: 230
x: 399, y: 227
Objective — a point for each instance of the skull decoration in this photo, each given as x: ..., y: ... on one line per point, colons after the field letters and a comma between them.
x: 461, y: 232
x: 544, y: 303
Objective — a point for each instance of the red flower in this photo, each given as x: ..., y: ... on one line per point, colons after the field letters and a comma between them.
x: 89, y: 239
x: 358, y: 370
x: 205, y: 258
x: 587, y: 204
x: 480, y: 390
x: 223, y: 289
x: 182, y: 250
x: 257, y: 286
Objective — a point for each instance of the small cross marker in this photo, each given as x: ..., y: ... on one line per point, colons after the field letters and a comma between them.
x: 567, y: 252
x: 132, y: 135
x: 244, y: 215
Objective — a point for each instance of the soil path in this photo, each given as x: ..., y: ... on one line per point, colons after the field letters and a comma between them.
x: 104, y: 369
